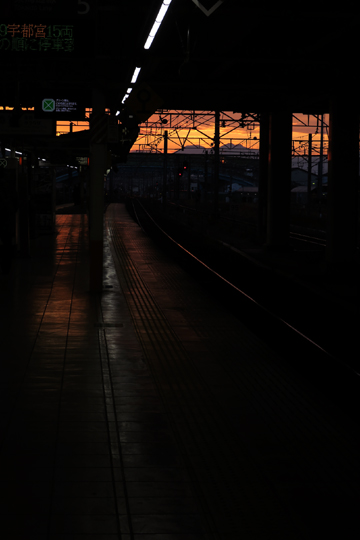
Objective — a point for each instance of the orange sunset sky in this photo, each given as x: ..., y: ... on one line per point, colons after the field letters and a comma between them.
x: 151, y: 135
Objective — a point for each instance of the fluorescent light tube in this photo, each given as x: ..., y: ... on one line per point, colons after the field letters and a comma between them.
x: 154, y: 29
x: 162, y: 13
x: 158, y: 20
x: 135, y: 75
x: 148, y: 43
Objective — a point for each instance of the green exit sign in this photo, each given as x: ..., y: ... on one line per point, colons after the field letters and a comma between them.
x: 48, y: 105
x: 61, y: 108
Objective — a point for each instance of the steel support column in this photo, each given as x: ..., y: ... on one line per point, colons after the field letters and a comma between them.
x: 164, y: 186
x: 263, y: 175
x: 216, y: 164
x: 343, y: 184
x: 279, y: 180
x: 24, y: 223
x: 309, y: 175
x: 96, y: 203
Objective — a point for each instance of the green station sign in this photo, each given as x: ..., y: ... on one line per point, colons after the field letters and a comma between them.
x: 36, y: 37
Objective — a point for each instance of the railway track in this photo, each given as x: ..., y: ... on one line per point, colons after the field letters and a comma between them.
x: 273, y: 306
x: 301, y: 237
x: 308, y: 239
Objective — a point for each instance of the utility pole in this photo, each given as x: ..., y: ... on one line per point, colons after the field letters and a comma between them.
x: 320, y: 190
x: 165, y: 170
x: 309, y: 174
x: 216, y: 162
x: 206, y: 176
x: 189, y: 178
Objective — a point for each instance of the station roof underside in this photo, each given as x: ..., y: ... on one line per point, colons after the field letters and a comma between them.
x: 239, y: 58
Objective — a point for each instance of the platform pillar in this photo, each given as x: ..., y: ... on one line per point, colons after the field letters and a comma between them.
x: 343, y: 185
x: 24, y: 228
x: 279, y: 180
x: 263, y: 176
x: 96, y: 200
x: 216, y: 164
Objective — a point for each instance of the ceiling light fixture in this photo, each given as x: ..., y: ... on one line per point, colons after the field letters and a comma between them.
x: 159, y: 18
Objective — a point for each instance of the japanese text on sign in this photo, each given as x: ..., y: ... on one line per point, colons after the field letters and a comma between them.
x: 37, y: 37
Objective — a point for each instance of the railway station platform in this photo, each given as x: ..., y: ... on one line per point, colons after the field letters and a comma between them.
x: 149, y: 412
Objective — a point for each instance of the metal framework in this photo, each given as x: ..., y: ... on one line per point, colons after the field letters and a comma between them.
x: 196, y: 128
x: 186, y: 129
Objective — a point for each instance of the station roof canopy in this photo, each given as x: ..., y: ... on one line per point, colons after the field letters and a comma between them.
x: 206, y: 55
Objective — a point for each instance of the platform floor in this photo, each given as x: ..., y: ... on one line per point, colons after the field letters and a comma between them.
x: 148, y: 412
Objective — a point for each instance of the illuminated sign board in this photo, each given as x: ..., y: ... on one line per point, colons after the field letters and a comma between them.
x: 60, y: 108
x: 36, y: 37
